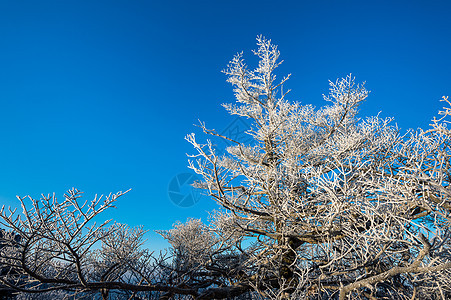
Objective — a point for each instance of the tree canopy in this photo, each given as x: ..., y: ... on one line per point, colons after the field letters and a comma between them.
x: 321, y: 204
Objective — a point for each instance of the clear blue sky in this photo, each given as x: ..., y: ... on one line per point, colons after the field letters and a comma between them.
x: 99, y: 95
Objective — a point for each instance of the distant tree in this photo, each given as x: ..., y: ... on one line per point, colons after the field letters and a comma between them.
x: 320, y: 205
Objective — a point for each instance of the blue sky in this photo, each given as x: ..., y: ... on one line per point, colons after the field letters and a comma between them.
x: 99, y: 95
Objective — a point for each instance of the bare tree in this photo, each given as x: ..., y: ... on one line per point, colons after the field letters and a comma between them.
x: 321, y: 205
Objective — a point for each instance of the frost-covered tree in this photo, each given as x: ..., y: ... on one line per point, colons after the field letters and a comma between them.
x: 54, y: 248
x: 324, y: 204
x: 321, y: 204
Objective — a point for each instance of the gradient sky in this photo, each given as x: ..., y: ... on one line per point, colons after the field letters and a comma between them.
x: 99, y: 95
